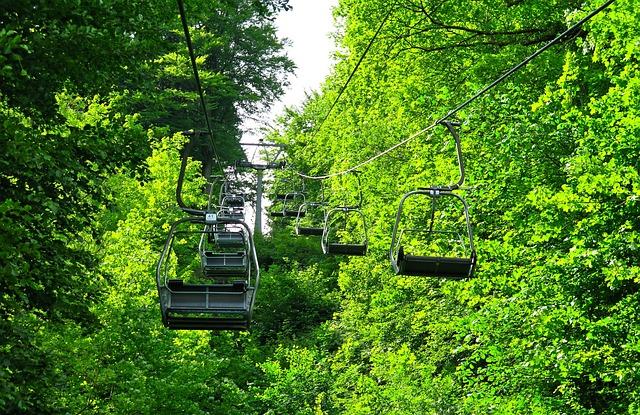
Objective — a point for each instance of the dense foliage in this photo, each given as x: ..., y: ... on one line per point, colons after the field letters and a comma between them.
x: 92, y: 98
x: 549, y: 324
x: 78, y: 166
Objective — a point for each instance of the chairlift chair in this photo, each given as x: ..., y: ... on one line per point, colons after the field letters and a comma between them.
x: 232, y: 200
x: 221, y: 255
x: 291, y: 205
x: 214, y: 305
x: 451, y: 267
x: 291, y: 198
x: 345, y: 215
x: 310, y: 219
x: 231, y: 207
x: 228, y: 238
x: 332, y: 243
x: 311, y: 216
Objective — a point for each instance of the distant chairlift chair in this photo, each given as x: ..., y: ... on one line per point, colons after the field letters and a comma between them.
x: 311, y: 216
x: 227, y: 237
x: 290, y: 206
x: 310, y: 219
x: 331, y: 245
x: 450, y: 267
x: 331, y: 242
x: 291, y: 200
x: 226, y: 257
x: 231, y: 207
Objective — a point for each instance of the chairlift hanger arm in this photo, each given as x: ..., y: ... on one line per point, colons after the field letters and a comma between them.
x: 183, y: 166
x: 196, y: 77
x: 357, y: 174
x: 456, y: 137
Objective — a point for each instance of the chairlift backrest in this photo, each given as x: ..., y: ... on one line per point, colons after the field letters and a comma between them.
x: 186, y: 152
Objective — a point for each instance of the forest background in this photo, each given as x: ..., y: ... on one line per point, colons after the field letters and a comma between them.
x: 93, y: 95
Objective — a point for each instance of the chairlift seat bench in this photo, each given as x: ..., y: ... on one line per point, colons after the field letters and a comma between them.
x: 347, y: 249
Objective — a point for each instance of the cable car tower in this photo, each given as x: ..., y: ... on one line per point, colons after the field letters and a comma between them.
x: 259, y: 168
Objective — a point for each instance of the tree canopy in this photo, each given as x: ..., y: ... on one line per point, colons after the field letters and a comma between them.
x: 94, y: 95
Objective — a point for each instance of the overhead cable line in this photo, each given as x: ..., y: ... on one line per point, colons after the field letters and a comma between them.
x: 567, y: 34
x: 194, y: 66
x: 355, y: 69
x: 369, y: 160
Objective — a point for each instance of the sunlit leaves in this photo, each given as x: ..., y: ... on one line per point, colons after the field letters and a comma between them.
x: 552, y: 180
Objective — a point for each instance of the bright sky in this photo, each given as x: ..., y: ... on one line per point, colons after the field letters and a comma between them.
x: 307, y: 26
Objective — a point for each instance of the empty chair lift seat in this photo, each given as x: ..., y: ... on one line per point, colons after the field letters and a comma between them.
x: 447, y: 267
x: 314, y: 224
x: 347, y: 249
x: 227, y: 305
x: 224, y: 264
x: 293, y: 213
x: 301, y: 230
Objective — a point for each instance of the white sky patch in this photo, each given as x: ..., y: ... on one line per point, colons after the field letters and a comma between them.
x: 307, y: 27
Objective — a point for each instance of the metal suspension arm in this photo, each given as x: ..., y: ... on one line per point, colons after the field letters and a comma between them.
x: 183, y: 166
x: 451, y: 127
